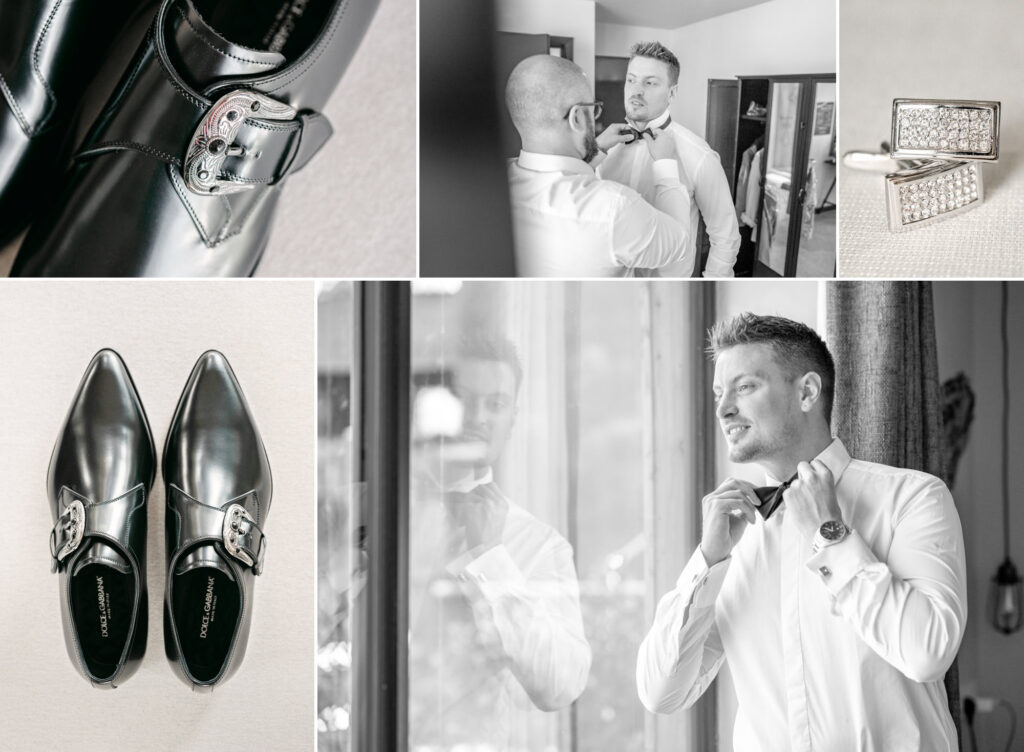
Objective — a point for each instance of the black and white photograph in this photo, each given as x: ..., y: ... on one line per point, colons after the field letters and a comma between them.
x: 522, y: 375
x: 932, y: 179
x: 764, y: 515
x: 208, y: 138
x: 648, y: 138
x: 158, y: 477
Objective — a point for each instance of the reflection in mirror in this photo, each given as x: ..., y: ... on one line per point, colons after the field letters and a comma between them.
x: 775, y: 218
x: 818, y: 232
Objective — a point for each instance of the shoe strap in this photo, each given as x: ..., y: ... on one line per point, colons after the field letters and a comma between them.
x: 233, y: 527
x: 262, y: 151
x: 112, y: 522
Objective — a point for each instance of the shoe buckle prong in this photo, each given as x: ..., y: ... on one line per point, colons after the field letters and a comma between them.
x: 214, y: 139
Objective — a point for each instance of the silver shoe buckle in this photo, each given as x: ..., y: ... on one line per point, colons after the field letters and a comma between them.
x: 238, y: 523
x: 214, y: 139
x: 72, y: 526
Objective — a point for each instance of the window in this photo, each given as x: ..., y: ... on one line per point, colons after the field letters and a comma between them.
x: 560, y: 437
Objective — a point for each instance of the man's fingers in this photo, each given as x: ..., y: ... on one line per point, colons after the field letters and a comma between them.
x: 734, y: 505
x: 734, y: 484
x: 804, y: 471
x: 821, y: 469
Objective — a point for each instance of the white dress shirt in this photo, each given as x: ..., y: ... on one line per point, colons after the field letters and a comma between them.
x: 845, y: 649
x: 496, y: 634
x: 701, y: 173
x: 569, y: 223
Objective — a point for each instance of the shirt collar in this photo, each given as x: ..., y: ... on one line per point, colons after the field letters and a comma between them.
x: 530, y: 160
x: 466, y: 485
x: 654, y: 124
x: 835, y: 458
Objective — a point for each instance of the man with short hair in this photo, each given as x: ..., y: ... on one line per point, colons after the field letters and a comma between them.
x: 568, y: 222
x: 838, y: 597
x: 651, y: 82
x: 496, y: 628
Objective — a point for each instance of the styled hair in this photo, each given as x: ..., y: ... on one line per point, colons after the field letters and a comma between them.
x: 797, y: 348
x: 490, y: 346
x: 658, y: 51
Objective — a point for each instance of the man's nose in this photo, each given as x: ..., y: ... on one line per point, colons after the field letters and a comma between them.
x: 725, y: 408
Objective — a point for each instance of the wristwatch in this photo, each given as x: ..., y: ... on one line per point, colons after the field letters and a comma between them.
x: 829, y: 534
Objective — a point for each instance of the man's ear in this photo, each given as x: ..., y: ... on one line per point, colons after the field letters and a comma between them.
x: 577, y: 119
x: 810, y: 390
x: 672, y: 91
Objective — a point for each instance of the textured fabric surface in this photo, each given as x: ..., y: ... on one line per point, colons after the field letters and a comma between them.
x: 887, y: 405
x: 948, y: 55
x: 50, y: 331
x: 352, y: 211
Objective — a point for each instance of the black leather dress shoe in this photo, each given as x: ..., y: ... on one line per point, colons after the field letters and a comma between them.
x: 181, y: 173
x: 49, y: 51
x: 100, y: 474
x: 218, y: 497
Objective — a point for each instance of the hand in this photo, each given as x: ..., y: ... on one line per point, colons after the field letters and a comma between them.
x: 660, y: 145
x: 482, y: 514
x: 811, y: 498
x: 612, y: 135
x: 726, y: 511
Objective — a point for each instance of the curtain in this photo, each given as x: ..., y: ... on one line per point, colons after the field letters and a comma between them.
x: 888, y: 403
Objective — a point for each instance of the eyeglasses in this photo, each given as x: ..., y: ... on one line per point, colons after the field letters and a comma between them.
x: 598, y: 107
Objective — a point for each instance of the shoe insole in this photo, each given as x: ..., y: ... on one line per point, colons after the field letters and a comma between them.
x: 101, y: 610
x: 285, y: 26
x: 206, y: 605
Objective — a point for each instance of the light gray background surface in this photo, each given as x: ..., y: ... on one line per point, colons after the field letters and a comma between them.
x: 48, y: 334
x: 942, y: 49
x: 352, y: 211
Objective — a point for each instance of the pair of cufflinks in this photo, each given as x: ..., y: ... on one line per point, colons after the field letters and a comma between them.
x: 941, y: 144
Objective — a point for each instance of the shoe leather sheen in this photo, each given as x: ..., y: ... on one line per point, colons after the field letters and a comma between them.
x: 104, y: 458
x: 49, y: 52
x: 124, y: 209
x: 213, y: 458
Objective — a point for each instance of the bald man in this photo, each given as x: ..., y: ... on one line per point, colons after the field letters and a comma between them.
x: 567, y: 221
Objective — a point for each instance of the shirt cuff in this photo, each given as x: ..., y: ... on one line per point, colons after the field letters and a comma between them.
x: 700, y: 582
x: 837, y: 565
x: 666, y: 172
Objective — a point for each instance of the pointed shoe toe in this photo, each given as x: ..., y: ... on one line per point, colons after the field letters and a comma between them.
x: 100, y: 474
x: 219, y: 489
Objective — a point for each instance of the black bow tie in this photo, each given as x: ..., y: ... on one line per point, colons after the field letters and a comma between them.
x: 771, y: 497
x: 639, y: 135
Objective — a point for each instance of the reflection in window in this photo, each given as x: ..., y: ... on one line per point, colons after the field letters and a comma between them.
x: 337, y: 584
x: 527, y: 546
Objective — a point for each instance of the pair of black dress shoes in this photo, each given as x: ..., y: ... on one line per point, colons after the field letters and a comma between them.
x: 218, y: 491
x: 146, y: 138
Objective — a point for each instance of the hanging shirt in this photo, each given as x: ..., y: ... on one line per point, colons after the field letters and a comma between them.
x: 701, y: 173
x: 753, y: 188
x: 741, y: 179
x: 845, y: 649
x: 569, y: 223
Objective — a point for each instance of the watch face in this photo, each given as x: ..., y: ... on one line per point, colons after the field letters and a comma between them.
x: 833, y: 530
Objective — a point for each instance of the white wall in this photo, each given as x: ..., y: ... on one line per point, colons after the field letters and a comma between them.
x: 783, y: 36
x: 967, y: 330
x: 559, y: 18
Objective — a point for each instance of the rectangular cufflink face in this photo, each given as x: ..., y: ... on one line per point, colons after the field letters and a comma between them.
x: 945, y: 129
x: 920, y: 197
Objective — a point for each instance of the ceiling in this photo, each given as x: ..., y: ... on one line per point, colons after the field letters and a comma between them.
x: 666, y: 14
